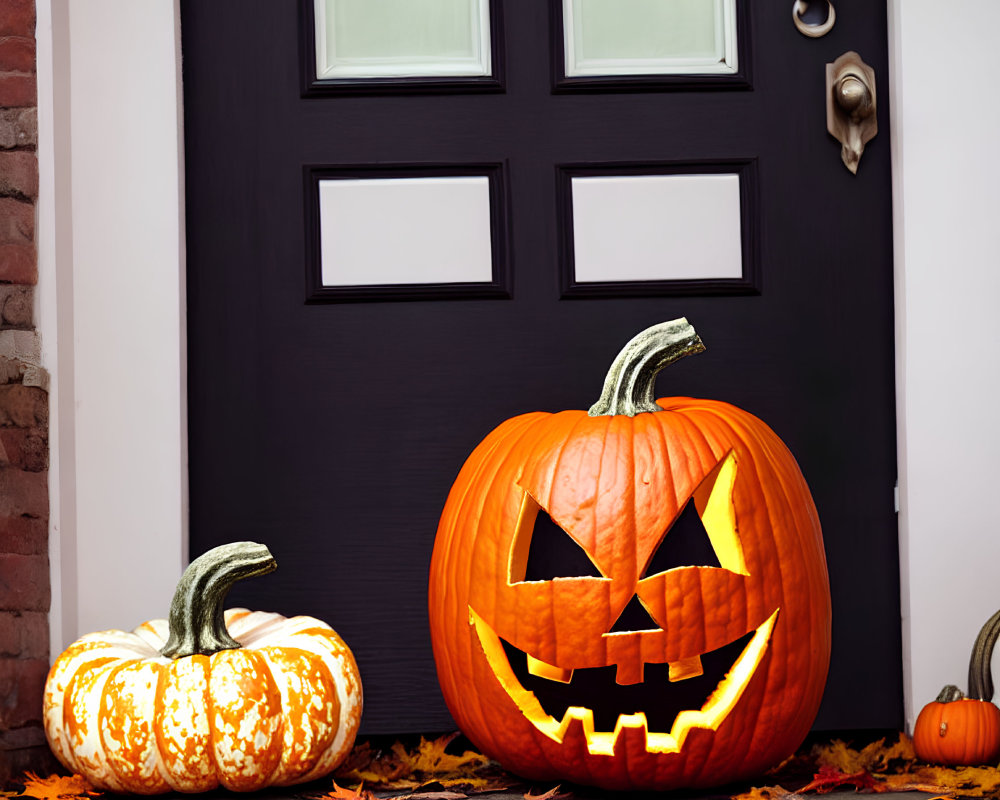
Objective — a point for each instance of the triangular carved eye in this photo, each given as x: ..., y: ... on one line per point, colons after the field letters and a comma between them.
x: 543, y: 551
x: 704, y: 534
x: 685, y: 545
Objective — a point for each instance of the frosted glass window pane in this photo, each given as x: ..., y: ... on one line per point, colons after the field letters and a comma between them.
x: 402, y: 38
x: 657, y: 228
x: 390, y: 231
x: 649, y: 37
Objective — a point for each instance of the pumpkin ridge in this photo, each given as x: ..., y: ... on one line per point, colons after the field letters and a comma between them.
x: 548, y: 461
x: 289, y: 769
x: 803, y: 517
x: 662, y: 454
x: 577, y: 421
x: 625, y: 462
x: 126, y: 736
x: 472, y: 486
x: 752, y: 438
x: 791, y: 481
x: 98, y: 678
x: 187, y: 771
x: 213, y: 731
x: 349, y: 695
x: 750, y: 444
x: 606, y: 434
x: 469, y: 477
x: 776, y: 676
x: 504, y: 462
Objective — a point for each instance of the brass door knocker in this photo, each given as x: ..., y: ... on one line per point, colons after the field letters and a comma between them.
x: 813, y: 31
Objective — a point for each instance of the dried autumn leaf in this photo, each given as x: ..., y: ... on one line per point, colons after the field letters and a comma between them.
x: 402, y: 768
x: 376, y: 768
x: 474, y: 784
x: 430, y: 757
x: 874, y: 757
x: 360, y: 757
x: 56, y: 786
x: 828, y: 778
x: 380, y: 779
x: 346, y: 793
x: 901, y: 750
x: 768, y: 793
x: 551, y: 794
x: 966, y: 781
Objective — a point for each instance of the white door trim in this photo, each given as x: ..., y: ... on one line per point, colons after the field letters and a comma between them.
x: 945, y: 115
x: 111, y: 308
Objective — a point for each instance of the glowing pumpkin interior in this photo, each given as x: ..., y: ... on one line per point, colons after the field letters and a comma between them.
x: 635, y: 645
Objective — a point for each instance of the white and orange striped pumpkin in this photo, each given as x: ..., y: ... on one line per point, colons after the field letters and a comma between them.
x: 244, y: 699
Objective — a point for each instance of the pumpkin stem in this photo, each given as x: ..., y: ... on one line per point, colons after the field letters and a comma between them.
x: 949, y: 694
x: 628, y: 388
x: 196, y: 620
x: 980, y: 679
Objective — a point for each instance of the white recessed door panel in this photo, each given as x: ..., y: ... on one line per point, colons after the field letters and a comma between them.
x: 657, y: 228
x: 398, y: 231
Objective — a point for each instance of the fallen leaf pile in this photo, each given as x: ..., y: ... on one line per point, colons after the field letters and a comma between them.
x: 428, y: 771
x: 878, y: 768
x: 54, y: 787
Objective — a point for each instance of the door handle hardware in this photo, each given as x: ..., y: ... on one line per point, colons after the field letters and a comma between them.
x: 851, y: 106
x: 813, y: 31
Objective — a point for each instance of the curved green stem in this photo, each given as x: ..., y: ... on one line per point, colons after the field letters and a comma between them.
x: 196, y: 614
x: 980, y: 679
x: 628, y: 388
x: 949, y: 694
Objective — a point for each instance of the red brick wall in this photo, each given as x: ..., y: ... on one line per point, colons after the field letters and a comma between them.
x: 24, y: 562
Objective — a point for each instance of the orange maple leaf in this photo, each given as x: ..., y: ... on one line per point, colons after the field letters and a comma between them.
x: 346, y: 793
x: 55, y: 787
x: 551, y: 794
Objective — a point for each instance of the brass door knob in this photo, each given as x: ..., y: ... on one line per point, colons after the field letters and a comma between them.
x: 851, y: 106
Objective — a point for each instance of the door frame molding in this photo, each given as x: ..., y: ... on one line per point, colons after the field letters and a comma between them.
x: 111, y: 207
x: 111, y: 308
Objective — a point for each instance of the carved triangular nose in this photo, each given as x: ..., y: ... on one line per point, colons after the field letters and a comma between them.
x: 634, y: 618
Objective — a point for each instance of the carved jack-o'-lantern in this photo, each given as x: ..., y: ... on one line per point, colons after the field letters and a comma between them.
x: 550, y: 670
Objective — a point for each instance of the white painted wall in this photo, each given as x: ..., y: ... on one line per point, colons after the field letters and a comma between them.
x: 111, y: 307
x: 112, y: 317
x: 946, y: 115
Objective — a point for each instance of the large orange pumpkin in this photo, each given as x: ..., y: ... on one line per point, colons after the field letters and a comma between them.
x: 245, y: 699
x: 751, y: 628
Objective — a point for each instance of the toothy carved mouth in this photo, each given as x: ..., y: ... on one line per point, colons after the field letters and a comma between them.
x: 723, y: 692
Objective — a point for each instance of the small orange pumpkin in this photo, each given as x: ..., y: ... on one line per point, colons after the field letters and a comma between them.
x: 245, y: 699
x: 540, y: 673
x: 960, y: 730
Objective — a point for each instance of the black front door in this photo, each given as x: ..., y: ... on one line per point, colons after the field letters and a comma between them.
x: 329, y: 420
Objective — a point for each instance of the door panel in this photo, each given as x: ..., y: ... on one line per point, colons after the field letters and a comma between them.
x: 332, y: 431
